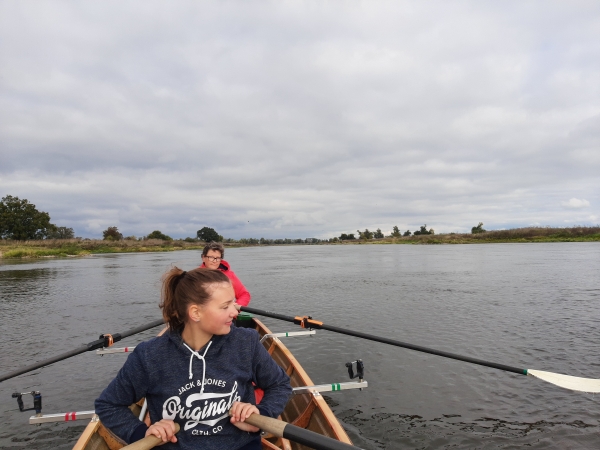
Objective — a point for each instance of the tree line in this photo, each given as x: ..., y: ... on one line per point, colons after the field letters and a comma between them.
x: 377, y: 234
x: 20, y: 220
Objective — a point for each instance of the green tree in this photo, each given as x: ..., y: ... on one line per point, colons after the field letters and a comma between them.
x: 112, y: 234
x: 61, y: 233
x: 406, y: 233
x: 396, y: 232
x: 207, y: 234
x: 478, y: 229
x: 156, y: 234
x: 365, y: 234
x: 378, y: 234
x: 423, y: 230
x: 20, y: 220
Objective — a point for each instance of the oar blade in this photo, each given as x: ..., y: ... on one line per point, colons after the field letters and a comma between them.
x: 567, y: 381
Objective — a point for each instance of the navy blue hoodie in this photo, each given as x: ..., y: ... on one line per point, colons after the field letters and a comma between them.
x: 195, y: 389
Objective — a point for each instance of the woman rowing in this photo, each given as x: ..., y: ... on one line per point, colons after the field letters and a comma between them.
x: 212, y: 258
x: 196, y: 372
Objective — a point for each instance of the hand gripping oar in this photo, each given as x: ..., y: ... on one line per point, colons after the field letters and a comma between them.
x: 105, y: 340
x: 564, y: 381
x: 286, y: 430
x: 148, y: 442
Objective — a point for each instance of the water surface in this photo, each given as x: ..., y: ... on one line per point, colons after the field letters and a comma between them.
x: 534, y: 306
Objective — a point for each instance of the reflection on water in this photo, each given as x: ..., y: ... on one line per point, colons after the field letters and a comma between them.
x: 526, y: 305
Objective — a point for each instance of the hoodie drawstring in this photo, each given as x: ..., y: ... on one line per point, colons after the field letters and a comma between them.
x: 201, y: 358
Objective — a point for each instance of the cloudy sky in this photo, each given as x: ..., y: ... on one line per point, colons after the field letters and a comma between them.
x: 301, y: 119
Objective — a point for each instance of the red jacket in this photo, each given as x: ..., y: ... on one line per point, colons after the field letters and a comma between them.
x: 242, y: 295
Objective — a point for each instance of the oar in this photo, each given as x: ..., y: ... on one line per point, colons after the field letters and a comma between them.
x: 566, y: 381
x: 296, y: 434
x: 148, y: 442
x: 105, y: 340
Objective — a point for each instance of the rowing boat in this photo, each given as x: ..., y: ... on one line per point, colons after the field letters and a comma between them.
x: 308, y: 410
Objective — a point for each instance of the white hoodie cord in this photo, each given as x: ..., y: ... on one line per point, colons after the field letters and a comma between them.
x: 201, y: 358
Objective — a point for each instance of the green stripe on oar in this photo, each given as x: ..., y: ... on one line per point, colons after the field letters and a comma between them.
x: 566, y: 381
x: 296, y: 434
x: 98, y: 343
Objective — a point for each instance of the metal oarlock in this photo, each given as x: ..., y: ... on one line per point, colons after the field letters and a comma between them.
x: 360, y: 384
x: 37, y: 401
x: 360, y: 370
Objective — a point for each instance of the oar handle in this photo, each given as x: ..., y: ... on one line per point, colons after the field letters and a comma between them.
x: 148, y: 442
x: 296, y: 434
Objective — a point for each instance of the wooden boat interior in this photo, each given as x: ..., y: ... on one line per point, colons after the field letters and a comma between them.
x: 309, y: 411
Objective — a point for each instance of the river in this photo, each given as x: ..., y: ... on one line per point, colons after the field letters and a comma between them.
x: 535, y: 306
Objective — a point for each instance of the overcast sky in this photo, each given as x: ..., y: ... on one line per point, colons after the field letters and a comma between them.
x: 301, y: 119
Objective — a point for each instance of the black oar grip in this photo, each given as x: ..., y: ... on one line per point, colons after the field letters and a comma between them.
x: 297, y: 434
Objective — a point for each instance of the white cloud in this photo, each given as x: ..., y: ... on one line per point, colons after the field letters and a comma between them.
x: 576, y: 203
x: 299, y: 119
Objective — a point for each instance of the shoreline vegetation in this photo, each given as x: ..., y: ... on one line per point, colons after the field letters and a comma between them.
x: 48, y: 248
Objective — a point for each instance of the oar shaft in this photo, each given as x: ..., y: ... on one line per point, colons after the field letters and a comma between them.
x: 383, y: 340
x: 46, y: 362
x: 297, y: 434
x: 98, y: 343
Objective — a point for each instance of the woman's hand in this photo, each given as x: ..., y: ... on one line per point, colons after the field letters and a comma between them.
x: 165, y: 430
x: 240, y: 412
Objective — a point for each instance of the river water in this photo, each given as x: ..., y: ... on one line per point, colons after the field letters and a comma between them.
x: 535, y: 306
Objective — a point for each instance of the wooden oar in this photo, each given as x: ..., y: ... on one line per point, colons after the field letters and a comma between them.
x: 293, y: 433
x: 591, y: 385
x: 148, y: 442
x: 105, y: 340
x: 276, y: 427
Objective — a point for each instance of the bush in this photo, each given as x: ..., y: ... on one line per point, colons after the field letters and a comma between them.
x: 61, y: 233
x: 207, y: 234
x: 423, y: 230
x: 478, y: 229
x: 112, y: 234
x: 156, y: 234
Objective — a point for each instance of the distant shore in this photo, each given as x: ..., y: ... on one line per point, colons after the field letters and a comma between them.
x: 81, y: 247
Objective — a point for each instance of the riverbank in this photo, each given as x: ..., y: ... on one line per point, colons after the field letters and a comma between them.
x: 530, y: 234
x: 82, y: 247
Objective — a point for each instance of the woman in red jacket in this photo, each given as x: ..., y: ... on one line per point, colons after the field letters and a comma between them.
x: 212, y: 258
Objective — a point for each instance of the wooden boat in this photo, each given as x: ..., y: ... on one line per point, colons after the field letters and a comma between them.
x: 309, y: 411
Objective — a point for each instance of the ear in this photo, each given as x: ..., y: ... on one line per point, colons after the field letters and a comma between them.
x: 194, y: 313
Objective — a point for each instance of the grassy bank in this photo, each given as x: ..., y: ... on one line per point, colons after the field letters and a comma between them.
x: 80, y: 247
x: 531, y: 234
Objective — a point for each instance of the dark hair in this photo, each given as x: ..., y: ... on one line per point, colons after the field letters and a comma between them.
x: 217, y: 246
x: 180, y: 289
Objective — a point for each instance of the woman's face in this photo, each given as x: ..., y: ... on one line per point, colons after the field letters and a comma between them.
x: 217, y: 314
x: 212, y: 259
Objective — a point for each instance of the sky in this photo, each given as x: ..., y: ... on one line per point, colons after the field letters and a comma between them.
x: 289, y: 119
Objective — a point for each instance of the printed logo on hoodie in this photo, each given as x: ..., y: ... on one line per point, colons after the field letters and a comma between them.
x: 201, y: 408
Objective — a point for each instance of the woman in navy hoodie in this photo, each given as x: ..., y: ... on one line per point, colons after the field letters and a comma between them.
x: 196, y: 372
